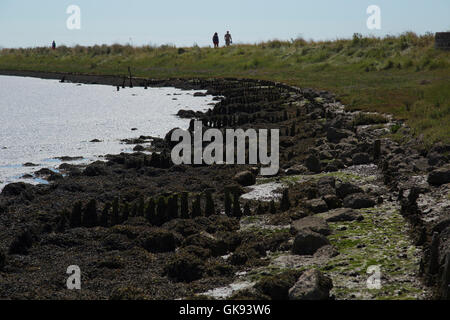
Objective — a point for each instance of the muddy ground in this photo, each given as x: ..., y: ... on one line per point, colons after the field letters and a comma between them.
x: 355, y: 199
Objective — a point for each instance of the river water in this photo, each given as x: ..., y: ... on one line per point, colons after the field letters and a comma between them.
x: 41, y: 120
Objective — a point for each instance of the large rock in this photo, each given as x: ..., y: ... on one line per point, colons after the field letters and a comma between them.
x: 439, y: 176
x: 97, y: 168
x: 346, y: 188
x: 307, y: 242
x: 335, y: 135
x: 296, y: 169
x: 360, y: 158
x: 159, y: 240
x: 313, y: 164
x: 312, y: 285
x: 245, y: 178
x: 312, y: 223
x: 316, y: 205
x: 17, y: 189
x: 342, y: 214
x: 359, y: 201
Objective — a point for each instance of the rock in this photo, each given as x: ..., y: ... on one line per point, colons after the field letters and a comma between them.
x: 346, y: 188
x: 200, y: 94
x: 185, y: 267
x: 95, y: 141
x: 29, y: 164
x: 331, y: 181
x: 245, y: 178
x: 19, y: 189
x: 296, y: 169
x: 95, y: 169
x: 312, y: 223
x: 307, y: 242
x: 360, y: 158
x: 435, y: 159
x: 335, y: 135
x: 359, y: 201
x: 138, y: 148
x: 327, y: 252
x: 439, y: 176
x: 312, y: 285
x: 159, y: 240
x: 313, y: 164
x: 343, y: 214
x: 333, y: 202
x: 277, y: 287
x: 316, y: 205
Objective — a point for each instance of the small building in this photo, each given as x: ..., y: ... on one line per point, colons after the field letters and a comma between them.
x: 442, y: 40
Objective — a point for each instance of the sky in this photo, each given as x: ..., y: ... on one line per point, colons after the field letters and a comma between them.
x: 30, y: 23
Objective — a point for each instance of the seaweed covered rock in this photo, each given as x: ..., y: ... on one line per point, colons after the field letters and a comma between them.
x: 97, y: 168
x: 312, y: 285
x: 22, y: 243
x: 277, y: 286
x: 159, y: 240
x: 185, y: 267
x: 19, y: 189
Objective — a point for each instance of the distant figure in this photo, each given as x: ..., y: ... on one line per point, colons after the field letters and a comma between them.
x: 228, y: 39
x: 216, y: 40
x: 53, y: 45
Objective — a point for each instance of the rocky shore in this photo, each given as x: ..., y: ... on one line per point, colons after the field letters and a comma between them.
x: 347, y: 197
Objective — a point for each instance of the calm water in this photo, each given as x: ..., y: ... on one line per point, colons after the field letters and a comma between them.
x: 41, y: 120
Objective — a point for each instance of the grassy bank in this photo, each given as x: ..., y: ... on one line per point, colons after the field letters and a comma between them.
x: 402, y: 75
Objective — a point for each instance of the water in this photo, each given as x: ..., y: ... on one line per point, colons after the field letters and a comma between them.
x: 41, y: 120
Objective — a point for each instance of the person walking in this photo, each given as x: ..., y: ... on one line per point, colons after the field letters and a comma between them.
x: 228, y: 39
x: 53, y: 45
x: 216, y: 40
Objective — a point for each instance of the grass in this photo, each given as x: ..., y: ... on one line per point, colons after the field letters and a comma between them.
x: 401, y: 75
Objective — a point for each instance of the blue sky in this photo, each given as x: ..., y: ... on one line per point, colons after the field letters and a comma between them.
x: 27, y: 23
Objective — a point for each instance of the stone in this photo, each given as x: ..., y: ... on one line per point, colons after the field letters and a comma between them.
x: 360, y: 158
x: 333, y: 202
x: 313, y: 164
x: 312, y: 223
x: 342, y: 214
x: 316, y: 205
x: 312, y: 285
x: 245, y: 178
x: 335, y: 135
x: 347, y: 188
x: 359, y: 201
x: 439, y: 176
x: 296, y: 169
x: 307, y: 242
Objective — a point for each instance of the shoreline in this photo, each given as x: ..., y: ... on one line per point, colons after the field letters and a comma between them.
x: 128, y: 175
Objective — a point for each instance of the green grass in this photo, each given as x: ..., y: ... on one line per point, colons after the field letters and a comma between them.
x: 403, y: 75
